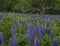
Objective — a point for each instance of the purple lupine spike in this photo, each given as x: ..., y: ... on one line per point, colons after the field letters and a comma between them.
x: 28, y: 41
x: 40, y: 35
x: 13, y: 31
x: 2, y: 41
x: 52, y: 17
x: 41, y: 32
x: 34, y: 33
x: 37, y: 29
x: 1, y: 37
x: 14, y: 41
x: 42, y: 29
x: 58, y: 16
x: 14, y: 14
x: 42, y: 18
x: 36, y: 42
x: 29, y: 34
x: 47, y: 20
x: 29, y: 37
x: 37, y: 19
x: 30, y: 27
x: 1, y: 17
x: 34, y: 30
x: 23, y: 23
x: 55, y: 42
x: 48, y: 31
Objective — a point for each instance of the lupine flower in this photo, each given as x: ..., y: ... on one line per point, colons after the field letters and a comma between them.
x: 42, y: 18
x: 42, y: 29
x: 36, y: 42
x: 41, y: 32
x: 1, y: 37
x: 58, y: 16
x: 47, y: 20
x: 13, y: 31
x: 40, y: 35
x: 37, y: 28
x: 14, y: 41
x: 52, y: 17
x: 1, y: 17
x: 55, y: 42
x: 34, y: 33
x: 29, y: 34
x: 30, y: 27
x: 28, y: 41
x: 48, y: 31
x: 14, y: 14
x: 37, y: 19
x: 23, y: 23
x: 2, y: 41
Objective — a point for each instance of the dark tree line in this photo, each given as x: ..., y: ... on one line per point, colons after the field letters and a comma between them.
x: 45, y: 6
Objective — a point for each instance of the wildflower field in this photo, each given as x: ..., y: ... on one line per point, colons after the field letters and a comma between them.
x: 29, y: 30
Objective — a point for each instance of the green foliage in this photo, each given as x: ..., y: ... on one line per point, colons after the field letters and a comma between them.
x: 22, y: 5
x: 46, y: 40
x: 9, y: 23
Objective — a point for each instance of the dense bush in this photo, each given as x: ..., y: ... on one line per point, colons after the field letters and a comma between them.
x: 22, y: 5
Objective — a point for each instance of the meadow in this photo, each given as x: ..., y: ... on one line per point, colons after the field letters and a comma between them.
x: 18, y: 29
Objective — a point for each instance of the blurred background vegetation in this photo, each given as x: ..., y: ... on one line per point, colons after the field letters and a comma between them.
x: 45, y: 6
